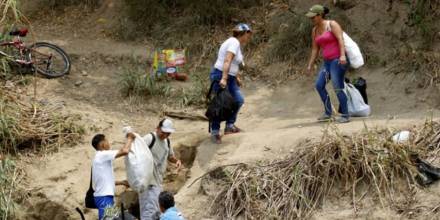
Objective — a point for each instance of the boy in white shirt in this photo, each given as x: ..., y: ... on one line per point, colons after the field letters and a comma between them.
x: 102, y: 171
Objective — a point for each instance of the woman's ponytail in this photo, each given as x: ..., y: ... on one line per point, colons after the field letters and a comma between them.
x: 326, y: 10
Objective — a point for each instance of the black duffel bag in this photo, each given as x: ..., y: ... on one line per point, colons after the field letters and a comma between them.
x: 220, y: 107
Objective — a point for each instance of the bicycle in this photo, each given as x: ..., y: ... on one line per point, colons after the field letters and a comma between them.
x: 47, y: 59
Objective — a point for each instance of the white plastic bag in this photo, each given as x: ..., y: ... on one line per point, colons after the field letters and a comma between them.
x: 401, y: 137
x: 351, y: 49
x: 355, y: 102
x: 353, y: 52
x: 139, y: 163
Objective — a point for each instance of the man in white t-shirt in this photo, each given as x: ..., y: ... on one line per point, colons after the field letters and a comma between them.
x: 163, y: 153
x: 102, y: 171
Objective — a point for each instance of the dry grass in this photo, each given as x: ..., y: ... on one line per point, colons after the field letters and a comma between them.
x: 428, y: 137
x: 294, y: 187
x: 10, y: 179
x: 33, y: 126
x: 425, y: 65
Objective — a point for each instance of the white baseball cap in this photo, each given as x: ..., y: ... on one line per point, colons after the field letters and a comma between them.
x: 167, y: 126
x: 242, y: 27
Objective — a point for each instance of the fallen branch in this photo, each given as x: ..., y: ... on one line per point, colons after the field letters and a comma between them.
x: 213, y: 170
x: 186, y: 115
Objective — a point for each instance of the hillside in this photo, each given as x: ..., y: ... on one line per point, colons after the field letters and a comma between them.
x: 107, y: 38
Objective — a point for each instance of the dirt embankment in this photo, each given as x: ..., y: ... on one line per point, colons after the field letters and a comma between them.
x: 275, y: 120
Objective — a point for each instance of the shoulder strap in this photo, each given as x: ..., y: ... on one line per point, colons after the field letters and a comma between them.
x: 91, y: 170
x: 153, y: 140
x: 169, y: 143
x: 328, y: 26
x: 210, y: 89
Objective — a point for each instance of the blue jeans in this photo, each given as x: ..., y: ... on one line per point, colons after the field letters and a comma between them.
x: 234, y: 89
x: 103, y: 202
x: 332, y: 70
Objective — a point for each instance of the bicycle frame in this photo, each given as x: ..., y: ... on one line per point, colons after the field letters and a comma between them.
x: 23, y: 49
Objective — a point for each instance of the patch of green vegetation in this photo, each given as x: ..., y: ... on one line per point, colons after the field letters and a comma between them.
x: 424, y: 15
x: 290, y: 42
x: 195, y: 95
x: 153, y: 18
x: 59, y: 4
x: 137, y: 82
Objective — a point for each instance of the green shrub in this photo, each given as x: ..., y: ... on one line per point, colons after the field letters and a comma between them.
x: 424, y: 15
x: 58, y: 4
x: 152, y: 18
x: 195, y: 95
x: 217, y: 12
x: 138, y: 83
x: 292, y: 42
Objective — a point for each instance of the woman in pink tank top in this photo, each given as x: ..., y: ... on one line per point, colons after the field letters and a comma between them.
x: 327, y: 38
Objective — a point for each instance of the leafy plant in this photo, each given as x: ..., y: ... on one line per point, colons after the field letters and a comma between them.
x: 195, y: 95
x: 57, y: 4
x: 137, y: 82
x: 292, y: 42
x: 424, y: 15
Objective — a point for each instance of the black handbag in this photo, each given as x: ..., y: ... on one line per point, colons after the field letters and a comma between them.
x: 222, y: 106
x: 90, y: 199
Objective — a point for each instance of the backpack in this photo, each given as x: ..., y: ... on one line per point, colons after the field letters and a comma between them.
x: 153, y: 141
x: 222, y: 106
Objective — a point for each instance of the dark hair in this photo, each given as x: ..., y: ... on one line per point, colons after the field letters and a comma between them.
x: 326, y: 11
x: 166, y: 200
x: 97, y: 139
x: 238, y: 34
x: 161, y: 123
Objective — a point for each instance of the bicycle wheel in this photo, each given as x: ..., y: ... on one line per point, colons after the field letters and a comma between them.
x: 49, y: 60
